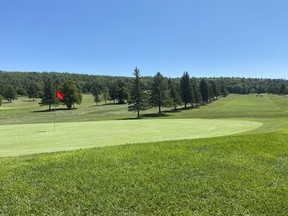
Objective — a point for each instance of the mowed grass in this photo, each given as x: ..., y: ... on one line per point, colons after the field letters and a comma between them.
x: 238, y: 175
x: 243, y: 174
x: 38, y: 138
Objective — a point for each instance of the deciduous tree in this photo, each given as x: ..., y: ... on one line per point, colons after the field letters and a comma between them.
x: 72, y: 94
x: 10, y: 93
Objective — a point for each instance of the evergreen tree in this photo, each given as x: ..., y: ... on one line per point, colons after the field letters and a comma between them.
x: 215, y: 89
x: 1, y: 98
x: 204, y: 91
x: 283, y: 89
x: 223, y: 90
x: 137, y: 101
x: 174, y: 93
x: 106, y: 94
x: 72, y: 94
x: 196, y: 91
x: 211, y: 93
x: 186, y: 89
x: 48, y: 97
x: 96, y: 95
x: 159, y: 92
x: 113, y: 91
x: 34, y: 90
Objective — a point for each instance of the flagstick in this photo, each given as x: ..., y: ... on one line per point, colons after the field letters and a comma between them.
x: 54, y: 120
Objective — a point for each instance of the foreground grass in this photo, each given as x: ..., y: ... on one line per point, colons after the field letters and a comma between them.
x: 217, y: 176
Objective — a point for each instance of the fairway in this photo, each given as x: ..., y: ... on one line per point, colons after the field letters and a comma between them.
x: 39, y: 138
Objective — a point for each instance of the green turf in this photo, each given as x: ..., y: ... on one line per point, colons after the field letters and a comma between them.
x: 36, y: 138
x: 243, y: 174
x: 238, y: 175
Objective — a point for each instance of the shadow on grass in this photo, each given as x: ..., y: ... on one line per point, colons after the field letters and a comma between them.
x: 54, y: 110
x: 108, y: 104
x: 145, y: 116
x: 155, y: 115
x: 135, y: 118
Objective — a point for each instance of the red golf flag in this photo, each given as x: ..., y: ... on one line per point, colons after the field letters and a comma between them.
x: 59, y: 95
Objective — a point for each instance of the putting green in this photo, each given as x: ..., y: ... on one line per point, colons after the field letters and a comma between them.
x: 38, y: 138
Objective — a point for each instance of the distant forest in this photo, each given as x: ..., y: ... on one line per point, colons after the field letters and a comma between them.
x: 31, y: 84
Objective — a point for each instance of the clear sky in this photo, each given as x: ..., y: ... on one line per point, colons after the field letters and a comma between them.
x: 239, y: 38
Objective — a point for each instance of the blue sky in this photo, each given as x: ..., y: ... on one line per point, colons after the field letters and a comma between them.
x: 228, y: 38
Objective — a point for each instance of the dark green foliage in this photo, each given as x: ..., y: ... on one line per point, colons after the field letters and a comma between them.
x: 186, y: 89
x: 159, y: 92
x: 283, y: 89
x: 105, y: 94
x: 48, y: 97
x: 21, y: 82
x: 204, y: 91
x: 138, y: 98
x: 96, y: 95
x: 223, y: 90
x: 215, y: 89
x: 10, y: 93
x: 196, y: 91
x: 34, y: 90
x: 174, y: 93
x: 118, y: 91
x: 72, y: 94
x: 1, y: 99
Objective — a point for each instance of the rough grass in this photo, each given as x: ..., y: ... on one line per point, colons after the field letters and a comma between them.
x: 240, y: 175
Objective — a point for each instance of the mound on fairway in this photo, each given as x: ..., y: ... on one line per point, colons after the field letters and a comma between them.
x: 39, y: 138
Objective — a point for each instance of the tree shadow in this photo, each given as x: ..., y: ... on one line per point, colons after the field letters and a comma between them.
x: 155, y: 115
x: 54, y: 110
x: 172, y: 111
x: 132, y: 118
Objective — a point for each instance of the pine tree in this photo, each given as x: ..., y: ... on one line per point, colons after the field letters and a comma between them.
x: 159, y: 92
x: 137, y: 101
x: 174, y: 94
x: 196, y: 92
x: 48, y: 97
x: 204, y: 90
x: 96, y: 95
x: 223, y: 89
x: 186, y: 89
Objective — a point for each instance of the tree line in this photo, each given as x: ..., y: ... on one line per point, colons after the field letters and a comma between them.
x: 157, y: 91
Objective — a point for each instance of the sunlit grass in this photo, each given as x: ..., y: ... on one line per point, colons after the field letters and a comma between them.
x: 230, y: 175
x: 217, y: 176
x: 36, y: 138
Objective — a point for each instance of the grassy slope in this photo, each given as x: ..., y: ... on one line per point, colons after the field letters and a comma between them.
x: 244, y: 174
x: 226, y: 176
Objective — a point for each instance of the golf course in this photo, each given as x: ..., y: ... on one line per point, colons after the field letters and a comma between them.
x: 229, y: 157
